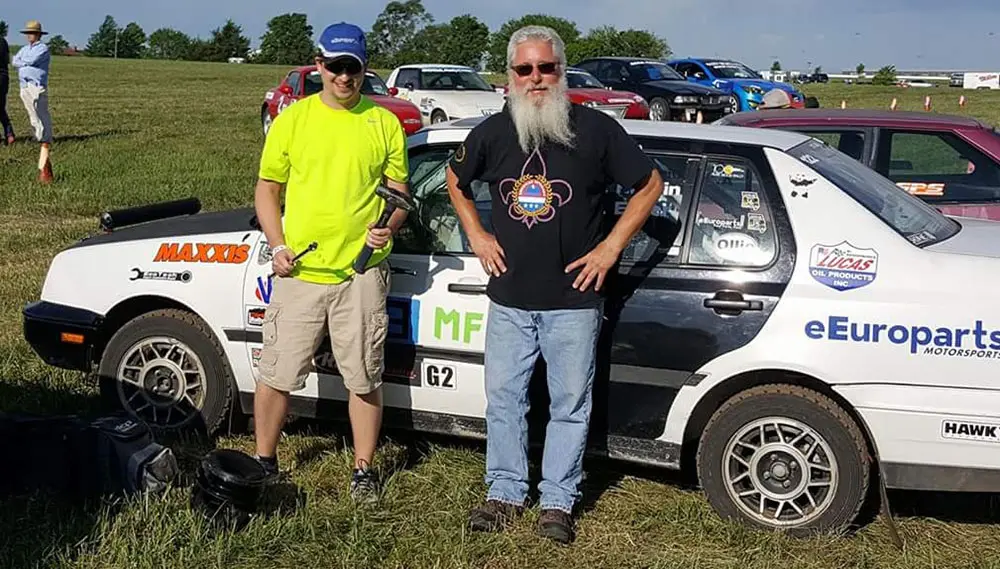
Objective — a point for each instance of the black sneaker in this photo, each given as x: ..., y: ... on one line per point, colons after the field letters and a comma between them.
x: 556, y: 525
x: 494, y: 515
x: 271, y: 472
x: 364, y: 486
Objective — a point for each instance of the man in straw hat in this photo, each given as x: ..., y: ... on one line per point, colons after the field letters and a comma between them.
x: 32, y: 63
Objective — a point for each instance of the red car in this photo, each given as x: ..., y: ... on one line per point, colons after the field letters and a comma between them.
x: 586, y: 90
x: 949, y: 161
x: 304, y: 81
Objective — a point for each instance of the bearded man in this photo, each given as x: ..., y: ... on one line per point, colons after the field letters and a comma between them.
x: 548, y: 163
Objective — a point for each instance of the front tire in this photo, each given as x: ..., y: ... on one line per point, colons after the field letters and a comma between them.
x: 783, y: 457
x: 438, y: 116
x: 167, y: 369
x: 658, y: 110
x: 734, y: 104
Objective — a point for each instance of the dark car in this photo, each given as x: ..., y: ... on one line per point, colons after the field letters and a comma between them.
x: 949, y: 161
x: 670, y: 95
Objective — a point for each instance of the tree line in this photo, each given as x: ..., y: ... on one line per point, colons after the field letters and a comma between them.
x: 404, y: 32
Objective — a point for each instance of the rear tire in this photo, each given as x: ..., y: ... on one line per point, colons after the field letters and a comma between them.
x: 167, y: 369
x: 787, y: 445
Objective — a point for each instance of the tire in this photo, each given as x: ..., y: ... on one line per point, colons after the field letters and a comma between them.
x: 734, y: 104
x: 183, y: 345
x: 438, y: 116
x: 659, y: 110
x: 265, y: 120
x: 794, y: 408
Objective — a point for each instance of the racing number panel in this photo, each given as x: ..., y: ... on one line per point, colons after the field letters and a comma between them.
x: 669, y: 310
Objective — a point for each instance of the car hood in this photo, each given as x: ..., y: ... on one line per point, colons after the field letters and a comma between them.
x: 602, y: 95
x: 682, y: 87
x: 978, y: 237
x: 477, y: 99
x: 396, y: 105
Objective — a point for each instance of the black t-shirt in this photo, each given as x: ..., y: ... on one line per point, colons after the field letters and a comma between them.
x: 546, y: 207
x: 4, y: 57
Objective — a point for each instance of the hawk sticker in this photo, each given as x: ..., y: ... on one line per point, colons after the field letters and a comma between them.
x: 533, y: 198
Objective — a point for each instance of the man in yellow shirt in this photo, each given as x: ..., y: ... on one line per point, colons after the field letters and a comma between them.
x: 329, y: 151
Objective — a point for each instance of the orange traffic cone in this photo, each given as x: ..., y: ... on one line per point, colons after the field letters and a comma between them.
x: 45, y: 165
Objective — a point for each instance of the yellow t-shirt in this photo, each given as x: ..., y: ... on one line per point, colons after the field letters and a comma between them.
x: 331, y: 161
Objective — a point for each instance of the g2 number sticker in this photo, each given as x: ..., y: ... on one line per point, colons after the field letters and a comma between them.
x: 440, y: 376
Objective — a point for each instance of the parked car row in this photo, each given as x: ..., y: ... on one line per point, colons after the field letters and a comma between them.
x: 623, y: 87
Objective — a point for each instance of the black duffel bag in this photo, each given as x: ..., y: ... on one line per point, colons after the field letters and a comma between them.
x: 79, y: 458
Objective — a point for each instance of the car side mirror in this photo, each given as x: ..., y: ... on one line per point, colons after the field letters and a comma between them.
x: 286, y: 90
x: 393, y: 91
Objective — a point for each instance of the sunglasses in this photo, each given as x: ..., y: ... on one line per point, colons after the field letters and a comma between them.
x: 525, y: 69
x: 341, y: 65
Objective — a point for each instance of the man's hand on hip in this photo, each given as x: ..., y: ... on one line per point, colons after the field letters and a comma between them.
x: 595, y: 265
x: 378, y: 237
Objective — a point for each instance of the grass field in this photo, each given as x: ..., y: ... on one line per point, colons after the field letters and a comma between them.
x: 132, y: 132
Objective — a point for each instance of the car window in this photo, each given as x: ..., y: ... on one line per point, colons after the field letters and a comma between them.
x: 661, y: 237
x: 451, y: 80
x: 732, y: 70
x: 293, y: 82
x: 940, y: 166
x: 411, y: 76
x: 577, y: 80
x: 910, y: 216
x: 434, y: 227
x: 688, y: 69
x: 733, y: 223
x: 850, y: 142
x: 654, y: 71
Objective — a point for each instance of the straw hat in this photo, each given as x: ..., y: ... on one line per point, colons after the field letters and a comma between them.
x: 33, y: 27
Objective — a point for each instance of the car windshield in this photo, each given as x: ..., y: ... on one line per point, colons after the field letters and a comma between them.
x: 653, y: 71
x: 578, y: 80
x: 453, y: 80
x: 910, y: 216
x: 732, y: 70
x: 373, y: 85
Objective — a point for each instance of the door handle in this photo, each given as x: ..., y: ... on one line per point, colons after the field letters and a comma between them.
x: 403, y: 271
x: 732, y: 302
x: 467, y: 288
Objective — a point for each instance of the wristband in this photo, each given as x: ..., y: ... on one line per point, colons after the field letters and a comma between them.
x: 275, y: 250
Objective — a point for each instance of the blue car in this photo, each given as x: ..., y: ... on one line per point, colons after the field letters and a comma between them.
x: 744, y: 86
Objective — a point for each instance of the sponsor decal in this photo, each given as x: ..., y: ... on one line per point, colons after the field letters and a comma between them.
x: 264, y: 254
x: 970, y: 431
x: 801, y: 180
x: 202, y: 253
x: 463, y: 326
x: 921, y: 238
x: 736, y: 247
x: 268, y: 96
x: 264, y: 289
x: 255, y: 316
x: 750, y: 200
x: 843, y: 266
x: 735, y: 223
x: 922, y: 189
x: 809, y: 159
x: 964, y: 342
x: 728, y: 171
x: 255, y: 356
x: 139, y: 274
x: 756, y: 222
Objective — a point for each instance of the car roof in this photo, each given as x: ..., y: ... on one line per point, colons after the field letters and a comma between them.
x: 622, y: 58
x: 455, y: 131
x: 854, y: 116
x: 435, y: 65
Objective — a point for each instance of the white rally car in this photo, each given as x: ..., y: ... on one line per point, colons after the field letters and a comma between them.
x: 446, y: 92
x: 788, y: 323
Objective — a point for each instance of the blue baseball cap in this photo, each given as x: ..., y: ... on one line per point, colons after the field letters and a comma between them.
x: 341, y: 39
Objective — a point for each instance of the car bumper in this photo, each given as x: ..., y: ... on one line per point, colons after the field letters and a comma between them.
x: 688, y: 112
x: 63, y: 336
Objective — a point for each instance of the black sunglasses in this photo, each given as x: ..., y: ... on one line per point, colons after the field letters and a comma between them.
x: 525, y: 69
x: 340, y: 65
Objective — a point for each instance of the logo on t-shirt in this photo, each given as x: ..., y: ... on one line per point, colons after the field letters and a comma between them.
x: 533, y: 198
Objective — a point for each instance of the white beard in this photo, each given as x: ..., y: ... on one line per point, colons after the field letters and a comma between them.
x: 538, y: 121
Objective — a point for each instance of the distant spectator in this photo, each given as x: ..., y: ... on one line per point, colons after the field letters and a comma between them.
x: 775, y: 99
x: 32, y: 63
x: 8, y: 129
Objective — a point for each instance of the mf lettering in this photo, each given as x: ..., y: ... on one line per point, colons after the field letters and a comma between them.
x: 456, y: 322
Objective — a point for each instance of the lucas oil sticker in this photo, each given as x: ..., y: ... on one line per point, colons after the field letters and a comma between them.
x: 843, y: 266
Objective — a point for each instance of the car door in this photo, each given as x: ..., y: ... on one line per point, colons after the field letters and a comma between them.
x: 699, y: 280
x: 438, y: 304
x: 941, y: 168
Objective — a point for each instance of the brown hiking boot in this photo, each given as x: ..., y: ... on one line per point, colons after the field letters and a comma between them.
x: 494, y: 515
x: 556, y: 525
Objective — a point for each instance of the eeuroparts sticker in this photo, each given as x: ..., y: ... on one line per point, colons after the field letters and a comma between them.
x: 974, y: 341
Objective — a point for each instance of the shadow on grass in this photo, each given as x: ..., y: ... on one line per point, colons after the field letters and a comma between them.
x: 92, y: 135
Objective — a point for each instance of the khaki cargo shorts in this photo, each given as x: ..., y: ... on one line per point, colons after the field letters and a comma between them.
x: 301, y: 313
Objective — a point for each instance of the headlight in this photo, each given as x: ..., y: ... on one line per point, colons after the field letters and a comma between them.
x: 590, y: 104
x: 753, y: 89
x: 639, y: 99
x: 681, y: 99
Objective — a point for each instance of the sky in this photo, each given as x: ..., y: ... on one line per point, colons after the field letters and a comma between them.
x: 801, y: 34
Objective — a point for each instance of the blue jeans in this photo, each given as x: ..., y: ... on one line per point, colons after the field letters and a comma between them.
x: 567, y: 339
